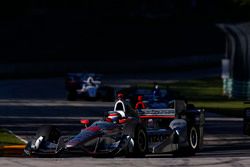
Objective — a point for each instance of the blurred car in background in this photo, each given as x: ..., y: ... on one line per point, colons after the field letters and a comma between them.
x: 88, y: 86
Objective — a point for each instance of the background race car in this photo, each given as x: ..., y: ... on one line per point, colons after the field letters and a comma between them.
x: 88, y: 86
x: 173, y: 126
x: 132, y: 93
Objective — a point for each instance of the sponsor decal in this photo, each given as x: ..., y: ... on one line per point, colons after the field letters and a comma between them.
x: 158, y: 138
x: 162, y: 112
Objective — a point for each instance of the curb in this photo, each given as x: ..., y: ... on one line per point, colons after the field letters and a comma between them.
x: 12, y: 150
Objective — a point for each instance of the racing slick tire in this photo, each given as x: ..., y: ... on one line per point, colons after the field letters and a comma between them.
x: 193, y: 143
x: 193, y: 140
x: 140, y: 143
x: 50, y: 133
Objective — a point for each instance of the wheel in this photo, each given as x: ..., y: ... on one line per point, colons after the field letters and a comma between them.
x: 193, y: 143
x: 193, y: 139
x: 140, y: 143
x: 50, y: 133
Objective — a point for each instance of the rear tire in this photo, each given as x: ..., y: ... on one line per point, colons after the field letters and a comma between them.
x: 193, y: 139
x: 193, y: 143
x: 140, y: 143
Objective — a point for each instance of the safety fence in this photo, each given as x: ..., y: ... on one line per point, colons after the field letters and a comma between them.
x: 236, y: 89
x: 237, y: 83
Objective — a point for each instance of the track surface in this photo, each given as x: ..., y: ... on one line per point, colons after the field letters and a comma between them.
x: 27, y: 104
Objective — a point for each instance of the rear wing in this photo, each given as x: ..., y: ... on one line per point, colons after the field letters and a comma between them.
x: 147, y: 93
x: 175, y: 107
x: 157, y: 113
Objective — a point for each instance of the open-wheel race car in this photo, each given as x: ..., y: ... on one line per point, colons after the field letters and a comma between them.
x: 119, y: 132
x: 125, y: 131
x: 173, y: 126
x: 88, y: 86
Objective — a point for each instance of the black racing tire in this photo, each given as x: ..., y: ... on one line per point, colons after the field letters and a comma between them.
x: 193, y: 143
x: 50, y: 133
x: 140, y: 143
x: 193, y: 139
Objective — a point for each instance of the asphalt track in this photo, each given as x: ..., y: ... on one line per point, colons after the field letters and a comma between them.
x: 27, y: 104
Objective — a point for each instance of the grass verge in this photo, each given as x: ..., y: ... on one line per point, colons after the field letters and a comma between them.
x: 7, y: 138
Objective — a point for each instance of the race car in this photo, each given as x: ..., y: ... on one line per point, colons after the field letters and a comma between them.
x: 173, y: 126
x: 119, y: 132
x: 88, y: 86
x: 129, y: 132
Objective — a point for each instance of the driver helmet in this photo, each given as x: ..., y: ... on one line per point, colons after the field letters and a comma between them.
x: 114, y: 117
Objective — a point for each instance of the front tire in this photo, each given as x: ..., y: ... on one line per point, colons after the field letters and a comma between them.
x: 50, y: 133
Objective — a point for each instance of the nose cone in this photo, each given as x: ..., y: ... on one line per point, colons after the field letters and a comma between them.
x: 84, y: 136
